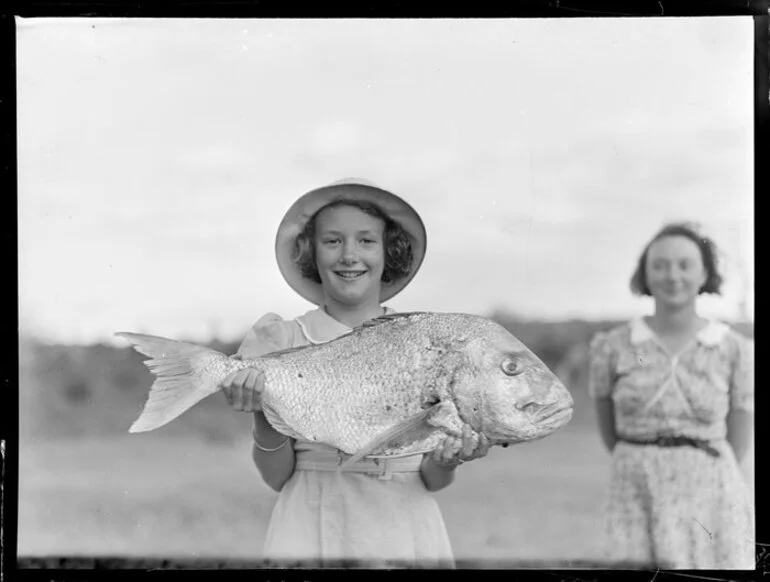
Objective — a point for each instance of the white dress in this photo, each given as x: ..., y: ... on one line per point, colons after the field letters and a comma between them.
x: 378, y: 514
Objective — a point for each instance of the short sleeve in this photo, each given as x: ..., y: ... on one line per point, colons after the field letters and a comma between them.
x: 600, y: 366
x: 269, y: 334
x: 742, y: 377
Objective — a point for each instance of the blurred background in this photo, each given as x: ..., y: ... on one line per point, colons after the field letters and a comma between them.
x: 157, y: 157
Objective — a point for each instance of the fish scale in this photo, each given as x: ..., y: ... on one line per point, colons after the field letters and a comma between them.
x: 355, y: 382
x: 396, y: 385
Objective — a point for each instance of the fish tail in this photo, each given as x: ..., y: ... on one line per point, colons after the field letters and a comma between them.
x: 186, y: 373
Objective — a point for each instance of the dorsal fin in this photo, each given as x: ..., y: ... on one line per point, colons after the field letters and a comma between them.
x: 277, y: 353
x: 368, y: 323
x: 388, y: 317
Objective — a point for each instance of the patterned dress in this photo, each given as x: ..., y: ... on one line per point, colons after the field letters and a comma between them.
x: 676, y: 507
x: 378, y: 514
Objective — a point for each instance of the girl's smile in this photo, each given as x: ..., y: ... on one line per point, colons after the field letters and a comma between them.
x: 350, y: 275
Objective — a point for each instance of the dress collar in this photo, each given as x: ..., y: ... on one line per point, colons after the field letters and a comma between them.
x: 319, y: 327
x: 710, y: 335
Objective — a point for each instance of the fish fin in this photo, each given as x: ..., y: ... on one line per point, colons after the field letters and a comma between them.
x: 389, y: 317
x: 447, y: 417
x: 278, y: 353
x: 278, y: 423
x: 368, y: 323
x: 401, y: 455
x: 185, y: 376
x: 415, y: 423
x: 375, y: 321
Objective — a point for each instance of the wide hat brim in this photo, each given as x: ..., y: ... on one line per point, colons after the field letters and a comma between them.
x: 306, y: 207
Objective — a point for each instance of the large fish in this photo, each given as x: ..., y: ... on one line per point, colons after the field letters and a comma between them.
x: 396, y: 385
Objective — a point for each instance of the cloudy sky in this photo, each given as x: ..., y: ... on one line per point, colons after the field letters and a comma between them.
x: 157, y: 157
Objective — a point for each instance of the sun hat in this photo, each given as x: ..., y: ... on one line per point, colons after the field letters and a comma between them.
x: 355, y: 189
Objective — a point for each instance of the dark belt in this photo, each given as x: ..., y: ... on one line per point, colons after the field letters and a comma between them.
x: 675, y: 441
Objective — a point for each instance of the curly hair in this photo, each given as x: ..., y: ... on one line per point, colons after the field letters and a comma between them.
x: 708, y: 250
x: 396, y: 243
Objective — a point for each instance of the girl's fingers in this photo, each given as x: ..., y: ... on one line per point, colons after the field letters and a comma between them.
x: 248, y: 396
x: 230, y: 379
x: 445, y: 452
x: 454, y: 450
x: 483, y: 444
x: 243, y: 394
x: 231, y: 388
x: 242, y: 389
x: 438, y: 452
x: 469, y: 442
x: 250, y: 382
x: 259, y: 385
x: 237, y: 392
x: 227, y: 382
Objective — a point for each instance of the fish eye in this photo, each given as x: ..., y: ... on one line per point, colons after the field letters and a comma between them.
x: 510, y: 367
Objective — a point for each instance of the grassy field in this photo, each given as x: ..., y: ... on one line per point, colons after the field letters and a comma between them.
x: 143, y: 496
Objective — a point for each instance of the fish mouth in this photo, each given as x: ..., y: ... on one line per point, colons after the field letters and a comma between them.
x: 537, y: 427
x: 557, y: 416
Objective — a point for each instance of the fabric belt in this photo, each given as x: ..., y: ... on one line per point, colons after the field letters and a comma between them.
x: 331, y: 461
x: 674, y: 441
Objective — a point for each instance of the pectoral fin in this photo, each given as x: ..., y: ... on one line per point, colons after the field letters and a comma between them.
x: 278, y: 423
x: 437, y: 416
x: 447, y: 417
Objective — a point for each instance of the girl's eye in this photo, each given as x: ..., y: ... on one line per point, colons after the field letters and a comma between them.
x: 510, y: 367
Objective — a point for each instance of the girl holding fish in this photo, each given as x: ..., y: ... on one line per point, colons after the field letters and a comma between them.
x: 359, y: 412
x: 674, y: 397
x: 347, y: 248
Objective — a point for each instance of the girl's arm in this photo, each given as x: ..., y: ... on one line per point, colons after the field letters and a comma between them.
x: 272, y: 452
x: 600, y: 385
x: 740, y: 418
x: 739, y: 425
x: 437, y: 469
x: 605, y: 415
x: 436, y: 476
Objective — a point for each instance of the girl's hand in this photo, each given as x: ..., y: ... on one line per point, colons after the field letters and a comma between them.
x: 243, y: 389
x: 455, y: 451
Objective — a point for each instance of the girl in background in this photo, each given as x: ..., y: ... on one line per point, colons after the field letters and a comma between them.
x: 674, y: 397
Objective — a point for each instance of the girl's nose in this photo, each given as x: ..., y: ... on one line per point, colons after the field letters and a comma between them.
x: 348, y: 253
